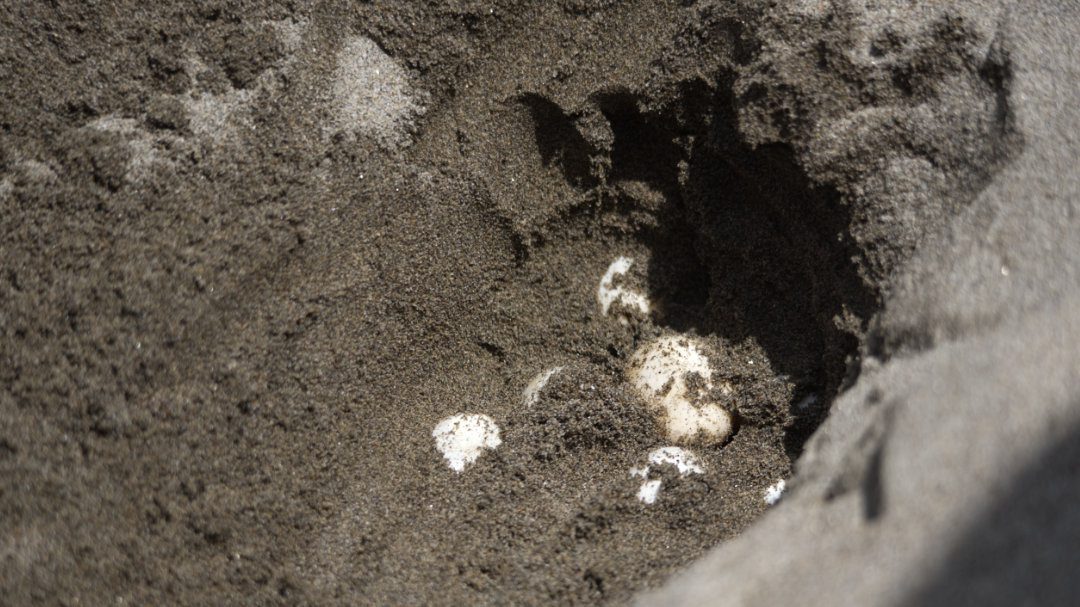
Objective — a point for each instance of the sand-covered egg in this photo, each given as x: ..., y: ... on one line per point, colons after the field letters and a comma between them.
x: 612, y: 291
x: 463, y: 437
x: 681, y: 459
x: 531, y: 394
x: 663, y: 372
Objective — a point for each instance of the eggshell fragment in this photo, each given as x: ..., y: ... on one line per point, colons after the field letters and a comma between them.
x: 682, y: 459
x: 607, y: 294
x: 463, y: 437
x: 531, y: 395
x: 774, y: 493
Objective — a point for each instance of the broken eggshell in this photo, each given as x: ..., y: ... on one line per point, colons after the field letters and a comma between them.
x: 463, y: 437
x: 682, y: 459
x: 531, y: 394
x: 609, y: 294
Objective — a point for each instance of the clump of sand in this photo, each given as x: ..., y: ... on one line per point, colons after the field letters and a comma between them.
x: 372, y: 96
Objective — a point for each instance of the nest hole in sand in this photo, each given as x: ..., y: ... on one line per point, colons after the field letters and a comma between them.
x: 734, y: 248
x: 741, y: 244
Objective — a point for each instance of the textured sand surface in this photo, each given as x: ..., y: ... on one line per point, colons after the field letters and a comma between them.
x: 253, y: 252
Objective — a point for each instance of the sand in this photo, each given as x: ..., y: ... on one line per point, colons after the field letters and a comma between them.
x: 253, y: 253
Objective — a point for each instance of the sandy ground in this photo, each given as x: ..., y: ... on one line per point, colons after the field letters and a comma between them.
x: 253, y: 253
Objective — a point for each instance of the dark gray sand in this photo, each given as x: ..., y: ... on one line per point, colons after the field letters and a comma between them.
x: 253, y: 252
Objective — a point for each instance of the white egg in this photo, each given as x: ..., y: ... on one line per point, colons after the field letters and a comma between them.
x: 659, y: 372
x: 463, y: 437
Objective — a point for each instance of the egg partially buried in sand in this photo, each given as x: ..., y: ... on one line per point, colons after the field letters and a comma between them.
x: 628, y: 299
x: 531, y: 394
x: 683, y: 460
x: 463, y: 437
x: 661, y: 371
